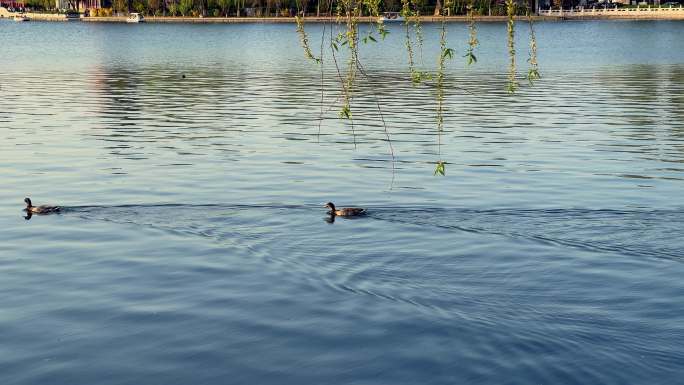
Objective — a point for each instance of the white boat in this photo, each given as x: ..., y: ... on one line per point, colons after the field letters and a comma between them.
x: 391, y: 16
x: 135, y: 18
x: 20, y: 18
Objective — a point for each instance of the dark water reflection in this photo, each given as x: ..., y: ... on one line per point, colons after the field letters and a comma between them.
x: 194, y: 247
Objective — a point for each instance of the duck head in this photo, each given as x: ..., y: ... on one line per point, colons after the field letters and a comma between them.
x: 28, y: 202
x: 330, y: 205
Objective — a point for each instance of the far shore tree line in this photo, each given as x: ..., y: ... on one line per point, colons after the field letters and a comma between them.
x: 283, y: 8
x: 289, y: 8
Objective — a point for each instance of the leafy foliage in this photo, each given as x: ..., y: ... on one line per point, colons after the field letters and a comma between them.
x: 472, y: 36
x: 533, y: 72
x: 411, y: 10
x: 184, y: 7
x: 346, y: 42
x: 305, y: 40
x: 120, y: 5
x: 440, y: 168
x: 512, y: 82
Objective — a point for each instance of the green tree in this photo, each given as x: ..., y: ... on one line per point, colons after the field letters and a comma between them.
x: 201, y: 6
x: 74, y: 4
x: 185, y: 6
x: 172, y: 7
x: 391, y: 5
x: 120, y: 6
x: 153, y: 6
x: 224, y: 5
x: 139, y: 6
x: 302, y: 6
x: 40, y: 4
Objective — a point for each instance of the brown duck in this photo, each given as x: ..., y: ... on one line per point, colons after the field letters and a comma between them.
x: 31, y: 209
x: 344, y: 212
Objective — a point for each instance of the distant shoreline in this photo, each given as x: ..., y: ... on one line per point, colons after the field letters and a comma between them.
x: 676, y: 14
x: 278, y: 20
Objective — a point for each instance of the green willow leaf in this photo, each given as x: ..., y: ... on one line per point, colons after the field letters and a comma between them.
x: 470, y: 58
x: 440, y: 168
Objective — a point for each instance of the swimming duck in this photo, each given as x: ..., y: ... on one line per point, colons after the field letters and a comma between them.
x: 31, y: 209
x: 344, y: 212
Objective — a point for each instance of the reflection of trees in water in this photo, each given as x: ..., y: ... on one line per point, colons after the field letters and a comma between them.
x: 224, y: 100
x: 164, y: 94
x: 147, y: 111
x: 649, y: 99
x: 120, y: 89
x: 675, y: 96
x: 118, y: 111
x: 155, y: 107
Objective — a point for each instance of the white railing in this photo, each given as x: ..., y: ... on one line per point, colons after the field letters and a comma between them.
x: 610, y: 11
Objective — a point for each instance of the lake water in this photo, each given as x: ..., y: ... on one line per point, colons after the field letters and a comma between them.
x: 194, y: 248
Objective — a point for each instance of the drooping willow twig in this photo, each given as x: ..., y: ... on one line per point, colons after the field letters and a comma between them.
x: 334, y: 45
x: 349, y: 13
x: 418, y: 29
x: 412, y: 19
x: 510, y: 11
x: 382, y: 119
x: 304, y: 39
x: 320, y: 116
x: 406, y: 14
x: 472, y: 36
x: 445, y: 53
x: 533, y: 72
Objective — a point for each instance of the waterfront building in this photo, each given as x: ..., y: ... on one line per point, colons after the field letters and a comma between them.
x: 12, y: 3
x: 79, y: 4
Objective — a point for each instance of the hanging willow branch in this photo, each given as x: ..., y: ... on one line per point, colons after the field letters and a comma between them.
x: 412, y: 24
x: 533, y: 73
x: 418, y: 28
x: 510, y: 11
x: 349, y: 13
x: 472, y: 41
x: 445, y: 53
x: 304, y: 39
x: 406, y: 14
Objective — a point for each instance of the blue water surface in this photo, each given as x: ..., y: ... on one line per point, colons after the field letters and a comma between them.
x: 193, y: 161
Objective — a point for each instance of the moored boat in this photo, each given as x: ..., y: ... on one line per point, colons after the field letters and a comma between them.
x: 391, y: 16
x: 135, y: 18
